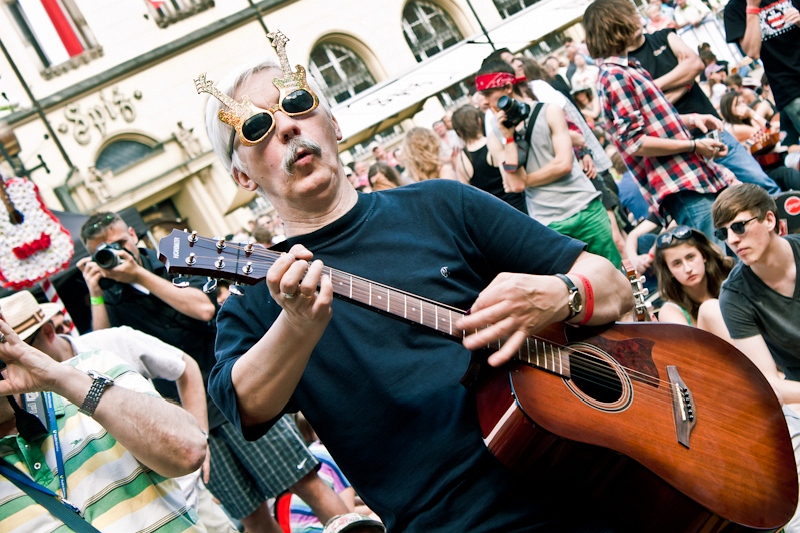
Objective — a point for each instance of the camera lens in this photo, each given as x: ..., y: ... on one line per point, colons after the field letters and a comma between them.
x: 105, y: 258
x: 504, y: 102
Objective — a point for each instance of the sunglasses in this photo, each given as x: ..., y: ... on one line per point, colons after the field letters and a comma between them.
x: 103, y: 222
x: 255, y: 127
x: 680, y: 233
x: 737, y: 227
x: 252, y: 123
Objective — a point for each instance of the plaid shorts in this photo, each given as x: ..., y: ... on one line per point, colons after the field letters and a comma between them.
x: 244, y: 474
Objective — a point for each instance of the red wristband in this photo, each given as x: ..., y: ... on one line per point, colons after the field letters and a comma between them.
x: 752, y: 10
x: 589, y: 303
x: 510, y: 139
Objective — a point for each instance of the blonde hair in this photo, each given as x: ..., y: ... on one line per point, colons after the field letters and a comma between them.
x: 421, y: 152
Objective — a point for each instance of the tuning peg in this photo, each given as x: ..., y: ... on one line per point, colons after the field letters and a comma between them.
x: 234, y: 289
x: 210, y: 285
x: 645, y: 291
x: 181, y: 282
x: 641, y: 279
x: 221, y: 244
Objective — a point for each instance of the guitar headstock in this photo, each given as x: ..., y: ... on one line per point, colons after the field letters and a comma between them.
x: 640, y: 292
x: 188, y: 253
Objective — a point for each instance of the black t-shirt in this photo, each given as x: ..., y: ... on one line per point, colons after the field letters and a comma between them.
x: 128, y: 306
x: 780, y: 44
x: 658, y: 59
x: 384, y: 395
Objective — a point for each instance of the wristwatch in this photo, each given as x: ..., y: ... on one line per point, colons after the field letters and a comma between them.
x: 575, y: 301
x: 99, y: 385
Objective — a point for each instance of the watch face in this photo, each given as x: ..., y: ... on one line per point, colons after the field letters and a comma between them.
x: 576, y: 302
x: 98, y: 375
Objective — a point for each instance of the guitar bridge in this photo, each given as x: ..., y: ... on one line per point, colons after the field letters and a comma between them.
x: 683, y: 408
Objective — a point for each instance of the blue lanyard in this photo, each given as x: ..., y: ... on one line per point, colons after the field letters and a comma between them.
x: 51, y: 419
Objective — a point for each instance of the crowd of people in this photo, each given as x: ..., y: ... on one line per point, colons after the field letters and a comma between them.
x: 516, y: 211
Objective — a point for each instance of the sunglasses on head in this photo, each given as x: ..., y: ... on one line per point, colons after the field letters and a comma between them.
x: 253, y: 128
x: 737, y: 227
x: 680, y: 233
x: 103, y: 222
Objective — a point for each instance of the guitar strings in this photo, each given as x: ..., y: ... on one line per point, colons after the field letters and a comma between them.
x: 600, y: 370
x: 270, y: 256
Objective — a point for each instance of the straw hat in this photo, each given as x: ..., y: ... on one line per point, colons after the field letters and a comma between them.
x: 24, y: 314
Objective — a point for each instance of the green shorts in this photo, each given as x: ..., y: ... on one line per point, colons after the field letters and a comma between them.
x: 593, y: 227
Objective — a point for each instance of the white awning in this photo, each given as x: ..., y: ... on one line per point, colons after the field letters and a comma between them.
x: 390, y: 102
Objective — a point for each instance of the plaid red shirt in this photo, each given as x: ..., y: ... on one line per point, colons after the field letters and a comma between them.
x: 633, y: 107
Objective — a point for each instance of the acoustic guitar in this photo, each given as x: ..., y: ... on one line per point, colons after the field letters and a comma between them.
x: 670, y: 424
x: 33, y: 243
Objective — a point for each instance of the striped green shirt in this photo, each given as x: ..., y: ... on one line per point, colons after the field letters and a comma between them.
x: 115, y: 492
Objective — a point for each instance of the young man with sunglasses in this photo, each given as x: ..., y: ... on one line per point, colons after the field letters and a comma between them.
x: 760, y: 300
x: 383, y: 395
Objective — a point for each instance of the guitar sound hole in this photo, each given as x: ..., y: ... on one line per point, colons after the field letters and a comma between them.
x: 595, y: 377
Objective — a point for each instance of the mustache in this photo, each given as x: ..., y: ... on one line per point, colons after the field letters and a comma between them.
x: 296, y: 145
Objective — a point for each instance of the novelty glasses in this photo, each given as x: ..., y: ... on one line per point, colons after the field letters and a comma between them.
x: 252, y: 123
x: 737, y: 227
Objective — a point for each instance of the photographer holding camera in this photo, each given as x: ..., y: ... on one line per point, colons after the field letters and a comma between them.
x: 111, y: 241
x: 538, y: 160
x: 129, y: 286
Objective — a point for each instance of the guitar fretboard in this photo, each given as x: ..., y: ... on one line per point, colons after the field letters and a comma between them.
x: 220, y: 260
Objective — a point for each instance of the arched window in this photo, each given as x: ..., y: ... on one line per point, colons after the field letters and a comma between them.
x: 506, y: 8
x: 121, y: 154
x: 428, y: 29
x: 340, y: 71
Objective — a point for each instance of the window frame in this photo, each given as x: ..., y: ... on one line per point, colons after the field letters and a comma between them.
x: 440, y: 38
x: 347, y: 82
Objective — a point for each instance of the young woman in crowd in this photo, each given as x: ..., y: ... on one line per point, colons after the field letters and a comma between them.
x: 475, y: 165
x: 752, y: 131
x: 421, y: 148
x: 588, y: 103
x: 382, y: 177
x: 690, y: 271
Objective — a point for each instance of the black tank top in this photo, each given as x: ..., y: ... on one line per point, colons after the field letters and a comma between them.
x: 487, y: 178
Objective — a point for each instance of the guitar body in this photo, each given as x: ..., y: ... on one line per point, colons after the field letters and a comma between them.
x: 33, y: 243
x: 738, y: 473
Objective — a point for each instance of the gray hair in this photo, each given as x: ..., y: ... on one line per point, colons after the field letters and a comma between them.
x: 219, y: 133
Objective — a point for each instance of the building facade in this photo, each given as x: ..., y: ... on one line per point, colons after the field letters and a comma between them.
x: 98, y: 106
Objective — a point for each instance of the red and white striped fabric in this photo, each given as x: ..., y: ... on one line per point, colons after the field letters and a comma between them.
x: 53, y: 28
x: 53, y: 297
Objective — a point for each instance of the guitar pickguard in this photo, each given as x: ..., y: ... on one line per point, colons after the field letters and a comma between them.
x: 633, y: 354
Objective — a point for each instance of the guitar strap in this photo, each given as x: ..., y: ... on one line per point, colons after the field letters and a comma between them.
x: 47, y: 499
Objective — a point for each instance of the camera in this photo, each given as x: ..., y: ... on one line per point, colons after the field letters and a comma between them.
x: 515, y: 111
x: 105, y: 257
x: 713, y: 135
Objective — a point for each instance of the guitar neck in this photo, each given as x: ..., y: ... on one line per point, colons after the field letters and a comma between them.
x: 14, y: 216
x: 249, y: 265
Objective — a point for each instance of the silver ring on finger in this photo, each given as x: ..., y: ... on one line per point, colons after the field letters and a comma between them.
x: 287, y: 295
x: 2, y: 338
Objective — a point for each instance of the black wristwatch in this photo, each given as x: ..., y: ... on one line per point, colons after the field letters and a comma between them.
x: 575, y: 301
x: 99, y: 385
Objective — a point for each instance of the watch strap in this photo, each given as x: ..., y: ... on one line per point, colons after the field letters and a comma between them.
x: 573, y: 290
x: 99, y: 385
